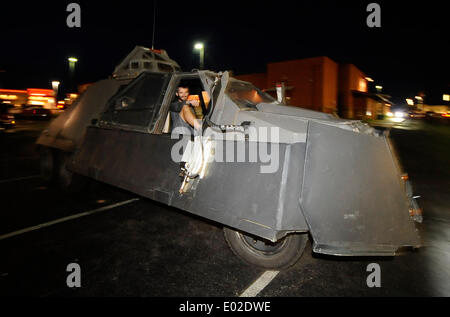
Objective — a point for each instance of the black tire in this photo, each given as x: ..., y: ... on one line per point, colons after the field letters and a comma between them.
x: 266, y: 254
x: 67, y: 180
x: 47, y: 164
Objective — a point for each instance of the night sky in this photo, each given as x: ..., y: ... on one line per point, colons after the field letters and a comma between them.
x: 408, y: 54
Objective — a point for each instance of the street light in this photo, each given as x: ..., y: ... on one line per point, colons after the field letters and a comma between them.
x: 201, y: 48
x: 378, y: 88
x: 55, y: 85
x: 72, y: 61
x: 410, y: 102
x: 446, y: 97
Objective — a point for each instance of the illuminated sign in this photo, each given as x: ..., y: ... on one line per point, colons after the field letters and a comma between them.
x: 40, y: 103
x: 35, y: 97
x: 11, y: 91
x: 8, y: 97
x: 40, y: 92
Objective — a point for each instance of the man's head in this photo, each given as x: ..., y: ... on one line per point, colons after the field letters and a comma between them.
x: 182, y: 93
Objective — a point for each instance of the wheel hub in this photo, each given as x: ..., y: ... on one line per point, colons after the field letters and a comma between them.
x: 261, y: 246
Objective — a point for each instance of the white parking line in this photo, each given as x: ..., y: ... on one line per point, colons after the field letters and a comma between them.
x: 259, y: 284
x: 54, y: 222
x: 18, y: 179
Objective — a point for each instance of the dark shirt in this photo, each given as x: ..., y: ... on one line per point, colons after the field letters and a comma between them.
x: 176, y: 106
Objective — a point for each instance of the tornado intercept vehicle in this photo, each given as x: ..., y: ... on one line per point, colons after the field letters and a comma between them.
x: 272, y: 175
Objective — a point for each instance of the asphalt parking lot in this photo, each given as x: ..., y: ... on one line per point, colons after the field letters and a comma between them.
x: 132, y: 246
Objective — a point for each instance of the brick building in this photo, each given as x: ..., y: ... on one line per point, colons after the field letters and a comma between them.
x: 321, y: 84
x: 354, y: 99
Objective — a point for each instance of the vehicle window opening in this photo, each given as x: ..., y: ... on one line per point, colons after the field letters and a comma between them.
x: 246, y: 95
x: 196, y: 92
x: 136, y: 103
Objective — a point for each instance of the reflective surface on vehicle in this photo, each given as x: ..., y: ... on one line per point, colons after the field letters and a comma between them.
x: 246, y: 95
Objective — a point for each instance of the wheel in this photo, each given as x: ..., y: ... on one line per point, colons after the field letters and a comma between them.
x: 46, y: 164
x: 66, y: 179
x: 263, y: 253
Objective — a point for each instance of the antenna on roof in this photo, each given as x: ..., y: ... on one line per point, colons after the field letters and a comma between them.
x: 154, y: 18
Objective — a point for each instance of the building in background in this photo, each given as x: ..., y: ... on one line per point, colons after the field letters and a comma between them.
x: 41, y: 97
x: 14, y: 97
x: 309, y: 83
x: 29, y: 97
x: 439, y: 102
x: 440, y: 109
x: 321, y: 84
x: 355, y: 99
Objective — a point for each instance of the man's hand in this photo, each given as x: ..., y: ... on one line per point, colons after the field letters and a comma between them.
x: 194, y: 103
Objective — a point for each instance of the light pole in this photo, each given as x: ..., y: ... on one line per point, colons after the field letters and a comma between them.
x: 55, y: 85
x: 72, y: 61
x: 201, y: 48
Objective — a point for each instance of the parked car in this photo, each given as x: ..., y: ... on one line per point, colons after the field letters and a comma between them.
x: 437, y: 117
x: 7, y: 120
x: 35, y: 112
x: 445, y: 117
x: 430, y: 114
x: 416, y: 115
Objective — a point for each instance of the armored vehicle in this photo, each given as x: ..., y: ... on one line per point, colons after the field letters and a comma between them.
x: 272, y: 175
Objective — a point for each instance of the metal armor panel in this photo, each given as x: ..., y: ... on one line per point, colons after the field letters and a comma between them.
x: 352, y: 198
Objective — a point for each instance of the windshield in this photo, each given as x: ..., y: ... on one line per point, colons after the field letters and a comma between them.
x: 245, y: 95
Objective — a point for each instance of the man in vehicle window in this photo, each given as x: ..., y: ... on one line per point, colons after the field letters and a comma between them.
x: 181, y: 110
